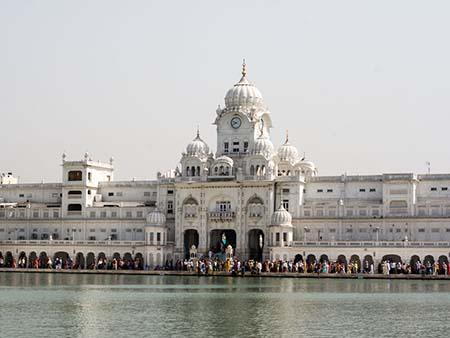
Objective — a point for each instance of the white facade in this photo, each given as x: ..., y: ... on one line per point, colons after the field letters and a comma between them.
x: 241, y: 194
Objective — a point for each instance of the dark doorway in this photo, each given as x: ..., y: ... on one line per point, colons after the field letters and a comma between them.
x: 220, y: 239
x: 190, y: 239
x: 256, y: 244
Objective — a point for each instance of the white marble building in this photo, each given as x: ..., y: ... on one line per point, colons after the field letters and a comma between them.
x: 267, y: 203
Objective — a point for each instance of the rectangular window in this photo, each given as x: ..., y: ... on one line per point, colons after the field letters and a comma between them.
x: 235, y: 147
x: 349, y: 212
x: 319, y: 190
x: 329, y: 190
x: 421, y: 230
x: 146, y: 193
x: 307, y: 213
x: 21, y: 195
x: 447, y: 230
x: 319, y: 213
x: 225, y: 147
x: 362, y: 190
x: 128, y: 214
x: 113, y: 230
x: 89, y: 176
x: 55, y: 214
x: 362, y: 212
x: 398, y: 230
x: 170, y: 207
x: 92, y: 214
x: 277, y: 237
x: 139, y: 214
x: 362, y: 230
x: 435, y: 230
x: 91, y: 230
x: 444, y: 188
x: 114, y: 214
x: 332, y: 230
x: 372, y: 190
x: 102, y: 230
x: 285, y: 236
x: 127, y: 230
x: 433, y: 189
x: 103, y: 214
x: 245, y: 146
x: 349, y: 230
x: 119, y: 193
x: 375, y: 212
x: 158, y: 236
x: 285, y: 191
x: 170, y: 192
x: 45, y: 214
x: 286, y: 204
x: 111, y: 194
x: 35, y: 214
x: 332, y: 212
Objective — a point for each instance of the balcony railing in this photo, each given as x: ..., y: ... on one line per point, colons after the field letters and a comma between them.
x: 68, y: 242
x: 388, y: 244
x: 221, y: 215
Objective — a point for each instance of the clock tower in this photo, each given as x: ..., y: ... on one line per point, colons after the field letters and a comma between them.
x: 243, y: 120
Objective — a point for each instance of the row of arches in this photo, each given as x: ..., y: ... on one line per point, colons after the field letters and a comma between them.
x: 62, y: 259
x: 364, y: 264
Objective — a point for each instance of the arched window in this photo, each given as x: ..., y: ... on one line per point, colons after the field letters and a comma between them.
x: 188, y: 171
x: 198, y: 171
x: 74, y: 207
x: 257, y: 170
x: 252, y: 170
x: 193, y: 171
x: 75, y: 175
x: 263, y: 170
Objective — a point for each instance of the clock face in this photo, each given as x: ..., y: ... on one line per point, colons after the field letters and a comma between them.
x: 235, y: 122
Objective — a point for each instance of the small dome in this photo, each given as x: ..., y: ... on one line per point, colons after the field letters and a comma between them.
x: 263, y: 146
x: 197, y: 147
x: 156, y: 218
x: 288, y: 153
x: 281, y: 217
x: 243, y: 94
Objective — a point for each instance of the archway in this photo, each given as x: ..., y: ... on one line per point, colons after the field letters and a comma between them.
x: 342, y: 259
x: 32, y: 260
x: 298, y: 258
x: 101, y: 261
x: 22, y: 263
x: 429, y: 259
x: 43, y: 260
x: 127, y: 261
x: 367, y: 263
x: 324, y: 258
x: 256, y: 244
x: 139, y: 261
x: 443, y: 262
x: 415, y: 264
x: 356, y: 261
x: 9, y: 259
x: 392, y: 258
x: 310, y: 262
x: 2, y: 260
x: 61, y: 259
x: 90, y: 261
x: 220, y: 239
x: 190, y: 238
x: 79, y: 261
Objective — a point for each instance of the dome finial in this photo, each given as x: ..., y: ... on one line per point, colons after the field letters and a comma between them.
x: 198, y: 130
x: 244, y: 70
x: 287, y: 137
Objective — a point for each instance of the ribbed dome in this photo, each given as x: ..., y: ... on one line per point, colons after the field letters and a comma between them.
x: 243, y: 94
x: 197, y: 147
x: 224, y: 160
x: 288, y: 153
x: 281, y: 217
x: 263, y: 146
x: 156, y: 218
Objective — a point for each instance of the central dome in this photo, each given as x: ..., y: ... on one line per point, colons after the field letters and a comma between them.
x: 243, y: 94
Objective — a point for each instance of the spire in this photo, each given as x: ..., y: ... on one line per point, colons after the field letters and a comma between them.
x: 198, y: 130
x: 244, y: 70
x: 287, y: 137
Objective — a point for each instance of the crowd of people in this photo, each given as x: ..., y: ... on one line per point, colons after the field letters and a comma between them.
x: 207, y: 265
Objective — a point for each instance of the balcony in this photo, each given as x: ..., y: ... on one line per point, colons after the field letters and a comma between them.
x: 221, y: 216
x: 385, y: 244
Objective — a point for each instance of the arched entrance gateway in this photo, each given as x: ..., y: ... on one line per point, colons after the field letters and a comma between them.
x: 190, y: 239
x: 220, y: 239
x: 255, y: 244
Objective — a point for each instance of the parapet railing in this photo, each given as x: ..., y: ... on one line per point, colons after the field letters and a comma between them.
x: 75, y: 242
x: 370, y: 244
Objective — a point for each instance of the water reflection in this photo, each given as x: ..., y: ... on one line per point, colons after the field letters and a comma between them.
x: 66, y: 305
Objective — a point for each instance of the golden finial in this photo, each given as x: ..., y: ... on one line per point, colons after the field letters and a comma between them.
x: 198, y: 131
x: 287, y: 136
x: 244, y: 70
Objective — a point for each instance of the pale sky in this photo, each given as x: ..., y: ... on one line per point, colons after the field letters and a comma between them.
x: 362, y: 86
